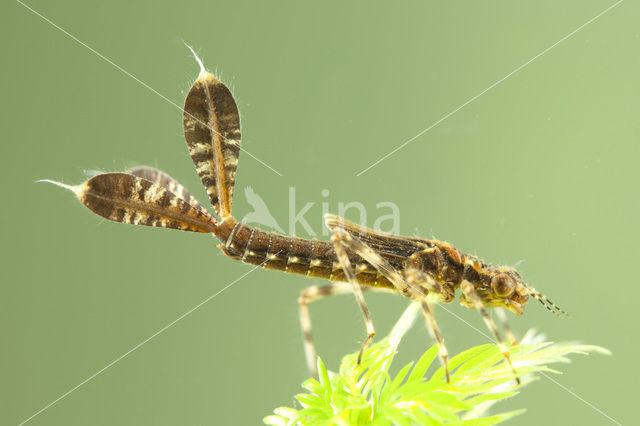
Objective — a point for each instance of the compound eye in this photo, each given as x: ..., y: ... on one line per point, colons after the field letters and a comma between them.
x: 503, y: 285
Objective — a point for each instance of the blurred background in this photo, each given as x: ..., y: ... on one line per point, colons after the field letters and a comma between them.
x: 540, y: 171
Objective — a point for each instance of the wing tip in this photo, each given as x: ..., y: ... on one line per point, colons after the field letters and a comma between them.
x: 331, y: 220
x: 75, y: 189
x: 203, y: 70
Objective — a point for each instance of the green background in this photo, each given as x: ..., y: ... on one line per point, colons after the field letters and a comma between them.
x: 542, y: 168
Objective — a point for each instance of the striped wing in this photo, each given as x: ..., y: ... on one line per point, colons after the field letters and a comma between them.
x: 126, y: 198
x: 162, y: 179
x: 383, y: 243
x: 212, y: 130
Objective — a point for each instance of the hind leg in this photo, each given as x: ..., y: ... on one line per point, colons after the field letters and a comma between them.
x: 311, y: 294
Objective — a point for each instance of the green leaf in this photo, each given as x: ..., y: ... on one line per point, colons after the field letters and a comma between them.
x: 439, y: 412
x: 275, y: 421
x: 491, y: 396
x: 310, y: 416
x: 416, y: 389
x: 447, y: 399
x: 366, y: 394
x: 420, y: 417
x: 325, y: 382
x: 286, y: 412
x: 486, y: 351
x: 391, y: 388
x: 492, y: 420
x: 423, y: 364
x: 470, y: 358
x: 311, y: 401
x: 313, y: 386
x: 396, y: 416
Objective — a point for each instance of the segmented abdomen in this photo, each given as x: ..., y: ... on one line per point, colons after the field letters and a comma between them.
x: 312, y: 258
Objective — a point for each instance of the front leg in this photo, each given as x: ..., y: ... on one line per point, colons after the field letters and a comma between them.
x: 419, y: 279
x: 502, y: 316
x: 470, y: 293
x: 340, y: 239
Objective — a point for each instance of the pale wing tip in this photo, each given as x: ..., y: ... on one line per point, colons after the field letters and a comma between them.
x: 203, y: 71
x: 74, y: 189
x: 331, y: 220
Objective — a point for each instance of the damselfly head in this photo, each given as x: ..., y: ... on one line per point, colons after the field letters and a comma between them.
x: 512, y: 289
x: 501, y: 287
x: 508, y: 290
x: 504, y: 287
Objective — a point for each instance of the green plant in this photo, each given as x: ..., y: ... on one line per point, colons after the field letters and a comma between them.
x: 367, y: 394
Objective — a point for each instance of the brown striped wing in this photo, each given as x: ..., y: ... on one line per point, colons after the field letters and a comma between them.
x: 162, y: 179
x: 126, y: 198
x: 212, y: 130
x: 382, y: 243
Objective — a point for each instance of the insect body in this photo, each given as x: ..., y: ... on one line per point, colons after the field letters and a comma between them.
x: 356, y: 259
